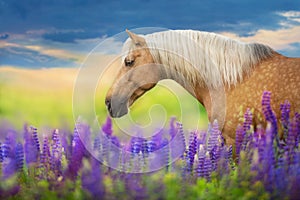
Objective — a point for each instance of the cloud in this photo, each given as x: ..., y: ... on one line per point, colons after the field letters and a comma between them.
x: 14, y: 55
x: 281, y: 39
x: 64, y: 32
x: 291, y: 15
x: 4, y: 36
x: 67, y: 21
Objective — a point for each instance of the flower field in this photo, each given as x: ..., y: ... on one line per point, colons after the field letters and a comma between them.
x: 96, y: 164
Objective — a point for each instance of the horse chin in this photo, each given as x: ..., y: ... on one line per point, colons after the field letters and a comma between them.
x: 119, y: 112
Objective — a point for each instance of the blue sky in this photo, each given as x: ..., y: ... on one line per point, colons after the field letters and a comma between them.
x: 54, y: 33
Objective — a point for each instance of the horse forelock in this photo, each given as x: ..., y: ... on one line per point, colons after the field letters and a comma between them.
x: 205, y: 58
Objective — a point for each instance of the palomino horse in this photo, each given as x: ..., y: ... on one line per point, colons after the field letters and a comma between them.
x: 202, y: 62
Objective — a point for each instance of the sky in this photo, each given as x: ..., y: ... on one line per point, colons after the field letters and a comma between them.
x: 55, y: 33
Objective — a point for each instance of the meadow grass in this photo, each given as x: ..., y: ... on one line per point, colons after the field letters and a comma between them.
x: 44, y: 98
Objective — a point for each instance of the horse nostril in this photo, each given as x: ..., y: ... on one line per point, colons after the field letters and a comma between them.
x: 108, y: 104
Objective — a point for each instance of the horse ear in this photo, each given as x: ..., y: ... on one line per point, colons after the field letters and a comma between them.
x: 138, y: 40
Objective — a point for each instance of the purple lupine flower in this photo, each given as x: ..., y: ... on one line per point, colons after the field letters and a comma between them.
x: 9, y: 164
x: 158, y: 137
x: 150, y: 146
x: 65, y: 144
x: 261, y: 143
x: 173, y: 129
x: 97, y: 144
x: 75, y: 162
x: 35, y: 138
x: 297, y: 118
x: 291, y: 140
x: 45, y: 155
x: 31, y: 145
x: 207, y: 167
x: 177, y: 145
x: 92, y: 180
x: 269, y: 158
x: 181, y: 139
x: 214, y: 133
x: 201, y: 159
x: 56, y: 154
x: 255, y: 160
x: 202, y: 138
x: 269, y: 114
x: 136, y: 145
x: 83, y: 132
x: 292, y: 134
x: 19, y: 157
x: 144, y: 147
x: 239, y: 138
x: 285, y: 109
x: 248, y: 116
x: 165, y: 153
x: 215, y: 155
x: 192, y: 149
x: 115, y: 141
x: 230, y: 156
x: 1, y: 153
x: 107, y: 127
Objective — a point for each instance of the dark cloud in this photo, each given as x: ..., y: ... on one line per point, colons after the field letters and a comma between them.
x: 96, y: 18
x: 4, y: 36
x: 22, y: 57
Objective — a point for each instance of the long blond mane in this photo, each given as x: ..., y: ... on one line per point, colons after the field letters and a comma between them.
x: 206, y: 58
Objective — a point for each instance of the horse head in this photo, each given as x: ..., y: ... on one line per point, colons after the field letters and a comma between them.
x: 137, y: 75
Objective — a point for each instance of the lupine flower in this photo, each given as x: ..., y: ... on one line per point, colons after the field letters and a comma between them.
x: 173, y: 129
x: 214, y: 134
x: 56, y: 154
x: 207, y: 167
x: 165, y: 152
x: 202, y: 138
x: 75, y: 161
x: 115, y: 141
x: 269, y: 159
x: 239, y: 138
x: 35, y: 138
x: 297, y: 118
x: 201, y: 159
x: 97, y: 144
x: 179, y: 144
x: 1, y: 153
x: 9, y: 164
x: 45, y: 156
x: 136, y: 145
x: 150, y: 146
x: 19, y: 157
x: 192, y: 149
x: 285, y: 109
x: 31, y: 145
x: 248, y: 120
x: 261, y: 144
x: 269, y: 114
x: 92, y: 180
x: 291, y: 140
x: 107, y: 127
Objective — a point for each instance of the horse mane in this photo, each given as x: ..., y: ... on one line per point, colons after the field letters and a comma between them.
x: 206, y: 58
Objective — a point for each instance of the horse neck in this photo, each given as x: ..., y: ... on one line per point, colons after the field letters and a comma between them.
x: 194, y: 86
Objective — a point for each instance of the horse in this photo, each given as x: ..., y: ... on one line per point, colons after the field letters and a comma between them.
x: 202, y: 63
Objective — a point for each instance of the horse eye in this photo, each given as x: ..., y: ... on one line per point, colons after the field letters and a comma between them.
x: 128, y: 62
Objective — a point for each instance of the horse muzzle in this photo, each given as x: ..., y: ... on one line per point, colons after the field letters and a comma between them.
x: 116, y: 109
